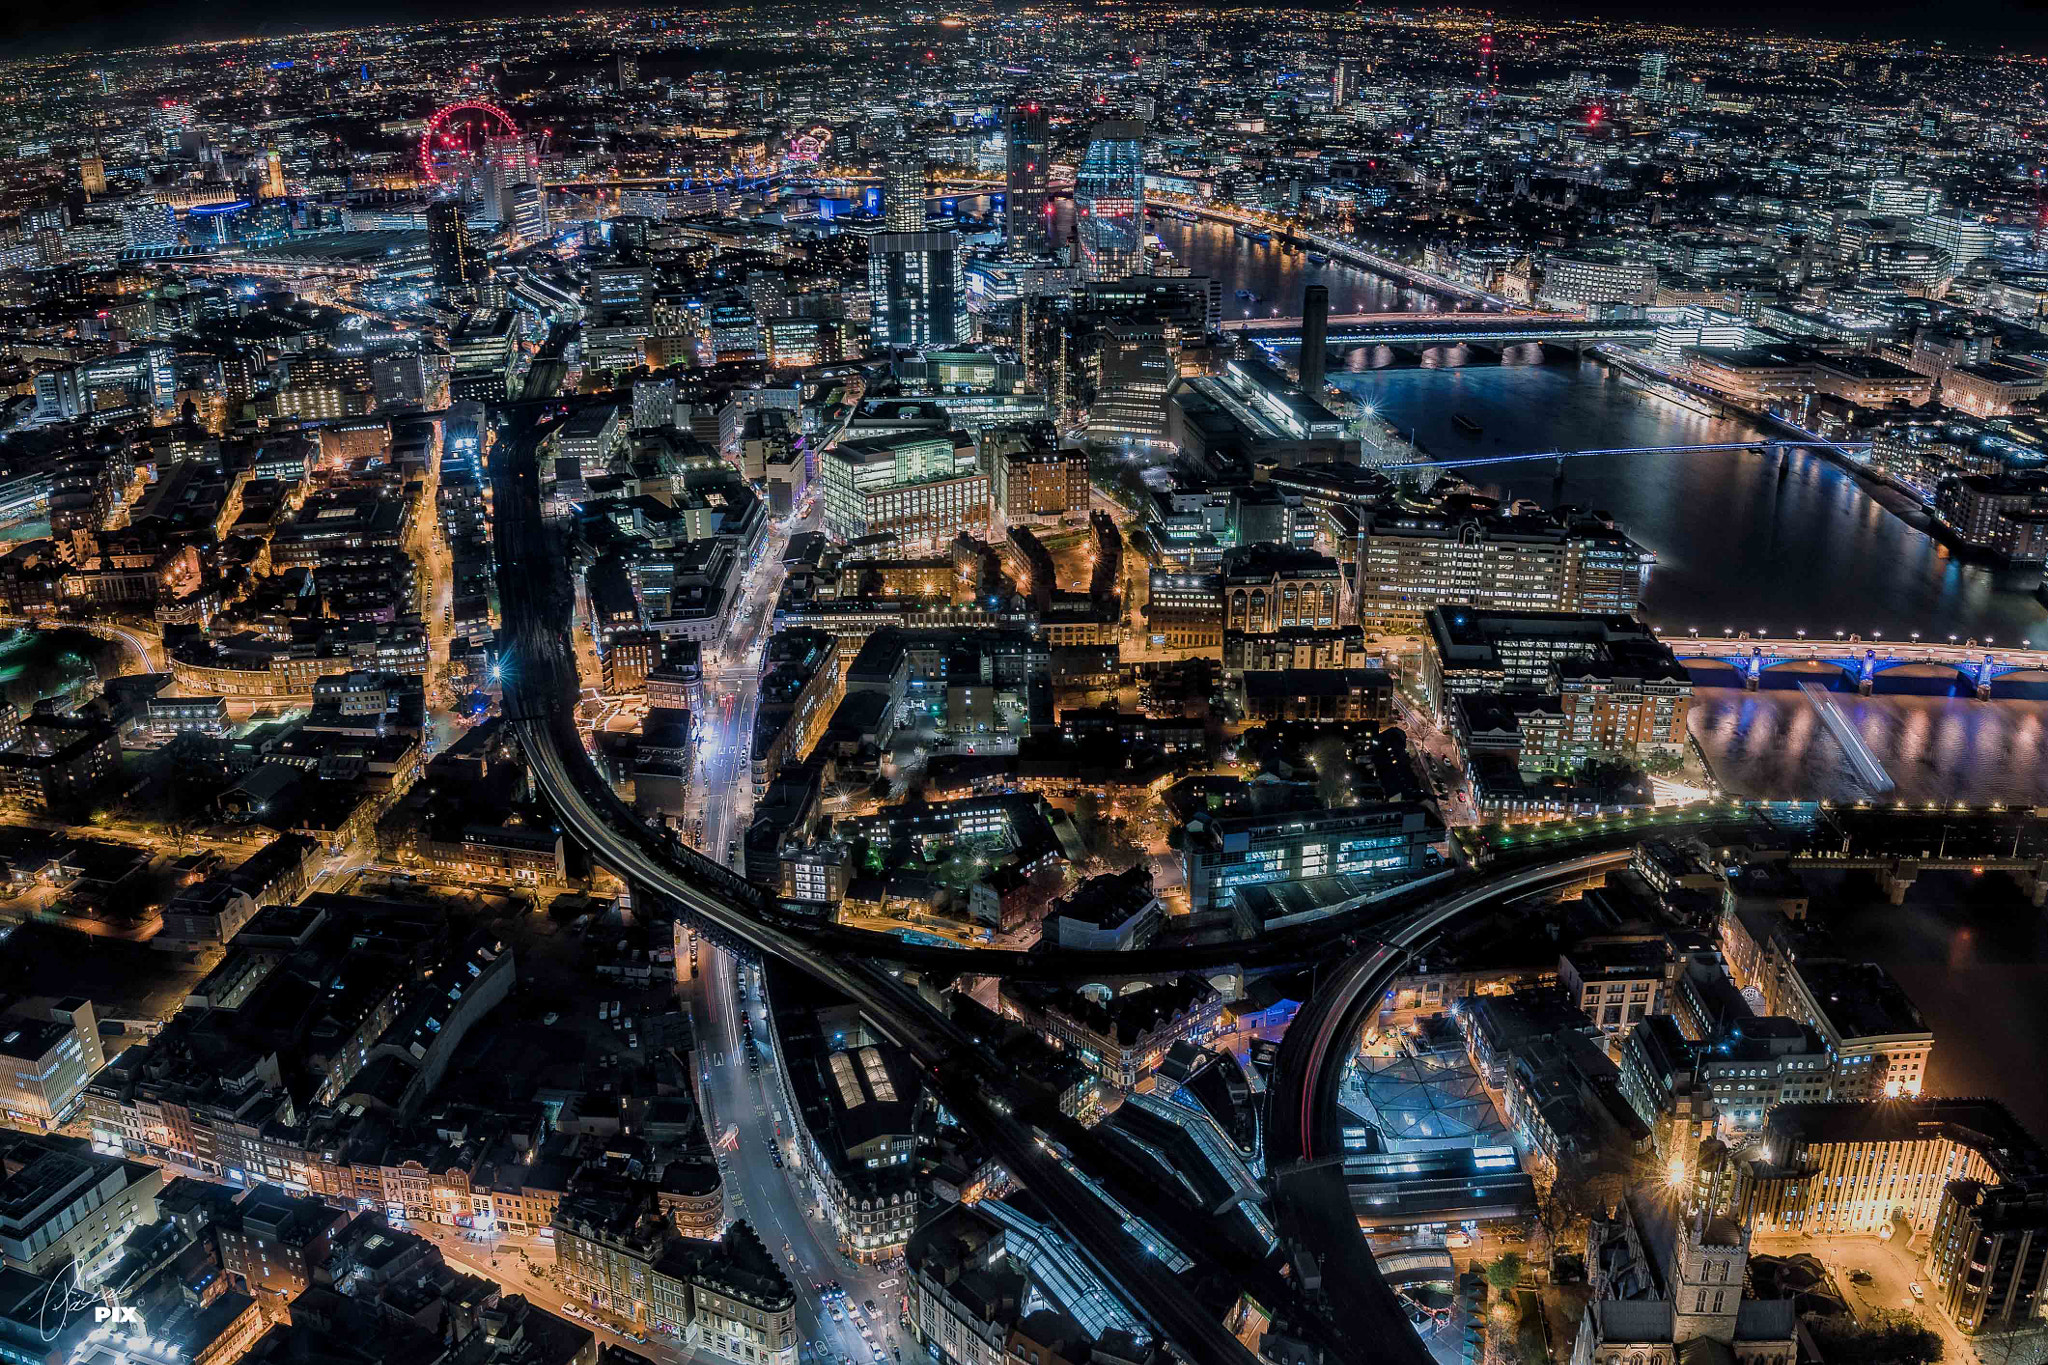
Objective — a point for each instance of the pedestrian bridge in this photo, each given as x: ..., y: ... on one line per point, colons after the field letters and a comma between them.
x: 1849, y: 662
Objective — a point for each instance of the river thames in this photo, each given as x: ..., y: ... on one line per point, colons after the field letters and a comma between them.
x: 1737, y: 545
x: 1749, y: 542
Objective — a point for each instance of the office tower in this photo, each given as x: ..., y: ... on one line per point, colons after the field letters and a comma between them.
x: 620, y: 291
x: 915, y: 485
x: 1344, y: 82
x: 273, y: 176
x: 529, y: 212
x: 509, y: 163
x: 480, y: 353
x: 92, y: 174
x: 148, y: 223
x: 457, y: 264
x: 1027, y: 159
x: 1109, y: 200
x: 1651, y: 86
x: 1315, y: 339
x: 1893, y: 198
x: 917, y: 288
x: 903, y: 190
x: 1533, y: 562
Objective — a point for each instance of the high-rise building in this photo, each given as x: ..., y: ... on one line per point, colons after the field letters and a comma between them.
x: 92, y: 174
x: 510, y: 165
x: 148, y: 223
x: 1344, y: 82
x: 273, y: 175
x: 1894, y: 198
x: 1027, y: 160
x: 616, y: 290
x: 480, y: 356
x: 458, y: 266
x: 1651, y: 83
x: 1109, y: 200
x: 917, y: 288
x: 903, y: 190
x: 529, y: 221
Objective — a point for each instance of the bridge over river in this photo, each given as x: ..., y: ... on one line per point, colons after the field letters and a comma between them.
x: 1976, y: 667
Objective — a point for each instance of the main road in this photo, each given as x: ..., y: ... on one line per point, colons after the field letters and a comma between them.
x: 540, y: 687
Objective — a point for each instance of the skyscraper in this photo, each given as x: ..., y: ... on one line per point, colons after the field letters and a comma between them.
x: 457, y: 266
x: 1109, y: 200
x: 1344, y: 82
x: 510, y: 162
x: 273, y: 175
x: 1651, y: 86
x: 1027, y: 160
x: 92, y: 174
x: 903, y: 190
x: 918, y: 289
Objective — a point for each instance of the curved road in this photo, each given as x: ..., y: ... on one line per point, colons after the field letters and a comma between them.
x: 1314, y: 1205
x: 540, y: 688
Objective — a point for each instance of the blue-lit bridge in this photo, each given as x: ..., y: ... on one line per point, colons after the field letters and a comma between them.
x: 1978, y: 665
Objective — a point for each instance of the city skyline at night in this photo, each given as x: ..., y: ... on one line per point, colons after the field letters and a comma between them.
x: 801, y: 684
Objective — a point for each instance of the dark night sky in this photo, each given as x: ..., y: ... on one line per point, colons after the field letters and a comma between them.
x: 52, y: 25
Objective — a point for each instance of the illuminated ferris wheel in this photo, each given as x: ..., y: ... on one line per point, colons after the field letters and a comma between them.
x: 458, y: 136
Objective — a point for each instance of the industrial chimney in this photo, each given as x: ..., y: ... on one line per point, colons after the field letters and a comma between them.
x: 1315, y: 339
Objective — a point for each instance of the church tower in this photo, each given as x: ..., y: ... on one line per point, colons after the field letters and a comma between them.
x: 1713, y: 1255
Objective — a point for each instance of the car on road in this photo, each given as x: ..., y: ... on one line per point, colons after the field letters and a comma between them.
x: 833, y: 1309
x: 870, y: 1305
x: 1919, y: 1294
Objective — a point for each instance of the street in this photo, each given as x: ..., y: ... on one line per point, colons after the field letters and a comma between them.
x: 777, y: 1203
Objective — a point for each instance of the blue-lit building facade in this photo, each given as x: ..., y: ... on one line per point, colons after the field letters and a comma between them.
x: 1391, y: 841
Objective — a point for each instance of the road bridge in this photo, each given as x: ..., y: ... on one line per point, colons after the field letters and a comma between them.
x: 1896, y: 874
x: 1767, y: 447
x: 1449, y: 329
x: 1977, y: 665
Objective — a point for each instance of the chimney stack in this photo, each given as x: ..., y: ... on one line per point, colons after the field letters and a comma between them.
x: 1315, y: 339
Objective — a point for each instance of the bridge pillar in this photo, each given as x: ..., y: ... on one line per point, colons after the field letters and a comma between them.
x: 1866, y: 673
x: 1981, y: 674
x: 1898, y: 879
x: 2034, y: 882
x: 1753, y: 670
